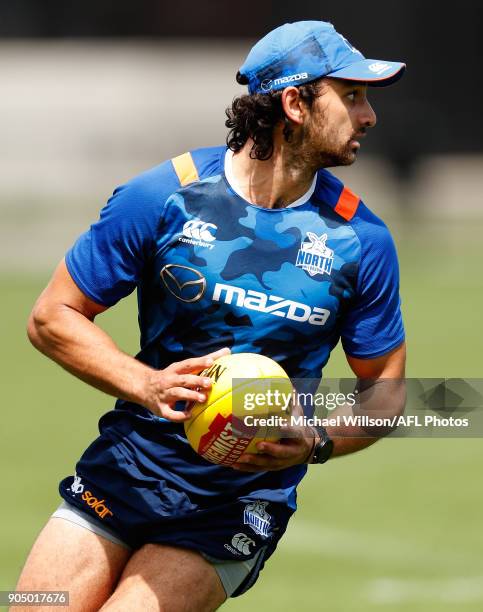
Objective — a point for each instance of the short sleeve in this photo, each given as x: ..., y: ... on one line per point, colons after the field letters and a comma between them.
x: 107, y: 261
x: 373, y: 324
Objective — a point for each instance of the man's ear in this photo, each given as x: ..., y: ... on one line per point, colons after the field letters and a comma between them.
x: 293, y: 105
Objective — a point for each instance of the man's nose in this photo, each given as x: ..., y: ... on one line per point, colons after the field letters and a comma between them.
x: 367, y: 117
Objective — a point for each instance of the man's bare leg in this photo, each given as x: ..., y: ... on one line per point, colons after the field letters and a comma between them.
x: 168, y: 579
x: 68, y: 557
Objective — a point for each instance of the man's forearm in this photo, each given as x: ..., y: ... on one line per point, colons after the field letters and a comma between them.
x: 85, y: 350
x: 379, y: 399
x: 347, y: 439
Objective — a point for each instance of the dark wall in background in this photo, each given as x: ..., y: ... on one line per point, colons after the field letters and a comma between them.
x: 436, y: 108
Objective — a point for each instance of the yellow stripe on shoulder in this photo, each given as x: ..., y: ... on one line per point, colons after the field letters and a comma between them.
x: 185, y: 168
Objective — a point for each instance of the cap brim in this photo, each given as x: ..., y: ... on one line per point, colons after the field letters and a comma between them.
x: 376, y: 73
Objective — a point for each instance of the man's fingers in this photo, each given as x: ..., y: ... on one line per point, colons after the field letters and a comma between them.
x: 196, y: 364
x: 288, y: 450
x: 176, y: 394
x: 175, y: 415
x: 272, y: 456
x: 190, y: 381
x: 188, y: 366
x: 179, y: 383
x: 219, y: 353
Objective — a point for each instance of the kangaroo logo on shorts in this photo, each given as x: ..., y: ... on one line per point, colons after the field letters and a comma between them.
x: 256, y: 517
x: 242, y: 543
x: 313, y: 256
x: 77, y: 487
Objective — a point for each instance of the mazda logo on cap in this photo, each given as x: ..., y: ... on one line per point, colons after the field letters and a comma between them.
x: 186, y: 284
x: 266, y: 84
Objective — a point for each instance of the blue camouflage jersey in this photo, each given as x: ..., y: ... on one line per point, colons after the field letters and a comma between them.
x: 213, y: 270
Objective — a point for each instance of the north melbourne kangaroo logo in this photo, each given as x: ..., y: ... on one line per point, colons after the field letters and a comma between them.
x: 77, y: 486
x: 256, y: 516
x: 313, y: 256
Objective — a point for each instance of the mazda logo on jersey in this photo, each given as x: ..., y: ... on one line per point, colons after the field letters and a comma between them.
x: 186, y: 284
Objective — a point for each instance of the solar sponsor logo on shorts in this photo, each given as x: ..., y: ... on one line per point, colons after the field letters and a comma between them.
x: 256, y: 517
x: 98, y: 505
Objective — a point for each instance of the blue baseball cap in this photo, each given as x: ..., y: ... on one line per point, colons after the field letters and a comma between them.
x: 300, y: 52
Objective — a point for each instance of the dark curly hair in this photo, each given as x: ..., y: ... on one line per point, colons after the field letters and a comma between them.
x: 255, y: 116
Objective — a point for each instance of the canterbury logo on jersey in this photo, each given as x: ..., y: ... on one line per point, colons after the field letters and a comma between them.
x: 198, y: 233
x: 270, y: 304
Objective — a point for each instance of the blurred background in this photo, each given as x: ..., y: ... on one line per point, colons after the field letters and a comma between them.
x: 93, y: 93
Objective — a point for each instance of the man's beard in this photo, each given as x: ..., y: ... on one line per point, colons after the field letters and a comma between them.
x: 318, y: 150
x: 343, y: 156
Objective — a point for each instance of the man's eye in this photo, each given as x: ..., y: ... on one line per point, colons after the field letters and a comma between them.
x: 352, y: 96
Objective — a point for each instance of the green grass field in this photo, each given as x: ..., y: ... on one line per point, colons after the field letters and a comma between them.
x: 397, y: 527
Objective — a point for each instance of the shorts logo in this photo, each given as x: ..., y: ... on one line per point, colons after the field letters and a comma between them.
x: 256, y: 517
x: 313, y: 256
x: 198, y: 233
x: 242, y: 542
x: 379, y: 67
x: 186, y: 284
x: 97, y: 505
x: 77, y: 487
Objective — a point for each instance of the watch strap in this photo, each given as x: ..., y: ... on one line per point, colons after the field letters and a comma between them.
x: 323, y: 449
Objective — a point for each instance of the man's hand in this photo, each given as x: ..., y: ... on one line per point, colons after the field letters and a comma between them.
x: 387, y: 371
x: 178, y: 382
x: 289, y: 451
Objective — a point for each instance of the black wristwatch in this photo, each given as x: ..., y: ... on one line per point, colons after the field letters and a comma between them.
x: 323, y: 449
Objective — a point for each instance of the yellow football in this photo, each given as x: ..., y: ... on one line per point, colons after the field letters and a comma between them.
x: 243, y: 385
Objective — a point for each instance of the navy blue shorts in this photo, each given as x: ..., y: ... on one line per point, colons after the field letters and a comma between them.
x: 110, y: 486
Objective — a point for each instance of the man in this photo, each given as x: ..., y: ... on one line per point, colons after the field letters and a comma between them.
x: 146, y: 523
